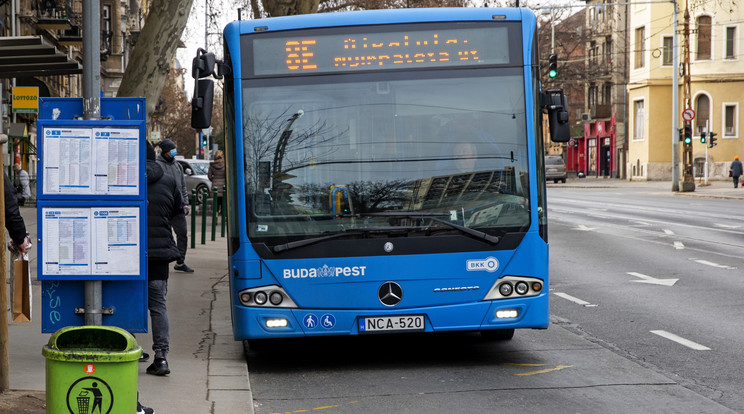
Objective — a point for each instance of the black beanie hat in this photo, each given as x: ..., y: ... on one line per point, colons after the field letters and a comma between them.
x: 150, y: 151
x: 166, y: 145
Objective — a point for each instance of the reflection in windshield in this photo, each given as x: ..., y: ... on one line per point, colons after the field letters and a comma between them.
x: 321, y: 157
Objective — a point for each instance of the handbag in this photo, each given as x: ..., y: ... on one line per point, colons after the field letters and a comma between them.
x: 21, y: 290
x: 730, y: 174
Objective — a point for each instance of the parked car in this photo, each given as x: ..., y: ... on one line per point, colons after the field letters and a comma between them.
x: 195, y: 173
x: 555, y: 168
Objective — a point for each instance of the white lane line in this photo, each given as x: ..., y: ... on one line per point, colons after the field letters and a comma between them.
x: 669, y: 232
x: 573, y: 299
x: 582, y: 227
x: 720, y: 266
x: 679, y: 245
x: 681, y: 341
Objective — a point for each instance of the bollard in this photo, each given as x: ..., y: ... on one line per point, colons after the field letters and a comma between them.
x: 193, y: 218
x: 224, y: 210
x: 205, y: 197
x: 214, y: 212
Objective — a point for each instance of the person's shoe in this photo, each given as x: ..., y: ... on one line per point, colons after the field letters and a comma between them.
x: 159, y: 367
x: 141, y: 409
x: 145, y: 357
x: 183, y: 267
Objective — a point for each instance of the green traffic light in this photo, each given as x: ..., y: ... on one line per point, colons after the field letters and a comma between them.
x: 553, y: 73
x: 688, y: 140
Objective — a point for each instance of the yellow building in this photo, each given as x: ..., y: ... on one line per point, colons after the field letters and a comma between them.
x: 716, y: 87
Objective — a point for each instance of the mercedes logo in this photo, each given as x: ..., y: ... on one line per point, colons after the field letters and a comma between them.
x: 390, y: 293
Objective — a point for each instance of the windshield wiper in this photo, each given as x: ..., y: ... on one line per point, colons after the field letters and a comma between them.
x: 433, y: 216
x: 299, y: 243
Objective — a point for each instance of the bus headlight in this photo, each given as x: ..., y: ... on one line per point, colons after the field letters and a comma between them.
x: 277, y: 323
x: 271, y: 296
x: 506, y: 286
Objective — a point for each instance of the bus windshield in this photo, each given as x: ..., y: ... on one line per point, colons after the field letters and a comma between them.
x: 327, y: 154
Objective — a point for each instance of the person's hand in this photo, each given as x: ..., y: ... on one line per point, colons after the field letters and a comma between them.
x: 23, y: 248
x: 186, y: 209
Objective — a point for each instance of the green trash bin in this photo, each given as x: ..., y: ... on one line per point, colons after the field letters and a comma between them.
x: 91, y: 370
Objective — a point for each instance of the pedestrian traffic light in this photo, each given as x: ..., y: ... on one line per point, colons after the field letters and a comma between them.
x: 205, y: 139
x: 712, y: 139
x: 688, y: 134
x: 553, y: 65
x: 702, y: 137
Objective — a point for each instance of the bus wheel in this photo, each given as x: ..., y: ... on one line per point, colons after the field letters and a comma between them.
x: 497, y: 334
x: 256, y: 345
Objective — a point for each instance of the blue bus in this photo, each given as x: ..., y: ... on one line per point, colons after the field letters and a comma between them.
x: 384, y: 172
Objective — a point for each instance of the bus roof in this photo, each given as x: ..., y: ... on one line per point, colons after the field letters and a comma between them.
x: 386, y: 16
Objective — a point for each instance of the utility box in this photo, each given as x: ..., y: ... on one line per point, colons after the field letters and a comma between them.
x: 91, y: 369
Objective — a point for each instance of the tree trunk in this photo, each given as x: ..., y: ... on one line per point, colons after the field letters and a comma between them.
x: 276, y: 8
x: 155, y: 49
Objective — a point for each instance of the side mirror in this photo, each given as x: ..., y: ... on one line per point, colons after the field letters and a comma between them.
x: 555, y: 102
x: 201, y: 104
x: 188, y: 171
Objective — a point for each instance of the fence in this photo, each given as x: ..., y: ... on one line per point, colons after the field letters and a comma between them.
x: 206, y: 201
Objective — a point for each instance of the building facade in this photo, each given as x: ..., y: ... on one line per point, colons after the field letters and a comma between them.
x: 716, y: 73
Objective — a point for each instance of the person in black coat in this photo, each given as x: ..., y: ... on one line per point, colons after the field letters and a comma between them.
x: 163, y: 202
x: 19, y: 240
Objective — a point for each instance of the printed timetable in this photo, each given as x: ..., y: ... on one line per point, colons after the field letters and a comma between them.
x: 80, y: 161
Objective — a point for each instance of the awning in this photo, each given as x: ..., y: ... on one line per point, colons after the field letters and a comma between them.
x: 26, y: 56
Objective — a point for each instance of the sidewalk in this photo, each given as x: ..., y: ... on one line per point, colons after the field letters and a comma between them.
x: 208, y: 370
x: 714, y: 189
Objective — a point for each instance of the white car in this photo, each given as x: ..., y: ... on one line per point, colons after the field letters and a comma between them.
x: 195, y: 173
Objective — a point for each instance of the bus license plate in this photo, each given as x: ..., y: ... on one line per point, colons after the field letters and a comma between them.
x: 392, y: 323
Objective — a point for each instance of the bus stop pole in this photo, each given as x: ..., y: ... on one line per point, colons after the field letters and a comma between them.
x: 92, y: 110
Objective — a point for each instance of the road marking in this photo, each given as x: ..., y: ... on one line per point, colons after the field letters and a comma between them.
x: 669, y: 232
x: 543, y: 371
x: 573, y: 299
x: 681, y: 341
x: 679, y: 245
x: 707, y: 263
x: 726, y: 226
x: 582, y: 227
x: 652, y: 280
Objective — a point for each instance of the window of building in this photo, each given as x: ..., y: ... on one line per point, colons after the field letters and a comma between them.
x: 703, y: 38
x: 607, y: 94
x: 639, y: 116
x: 667, y: 58
x: 731, y: 42
x: 729, y: 120
x: 702, y: 113
x: 608, y: 49
x: 640, y: 36
x: 592, y: 96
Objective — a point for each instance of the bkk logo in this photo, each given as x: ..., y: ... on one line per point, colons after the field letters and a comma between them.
x: 325, y: 271
x: 489, y: 264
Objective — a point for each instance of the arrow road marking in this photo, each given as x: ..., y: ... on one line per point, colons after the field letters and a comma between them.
x: 669, y: 232
x: 679, y: 245
x: 573, y: 299
x: 584, y: 228
x: 681, y: 341
x: 652, y: 280
x: 707, y: 263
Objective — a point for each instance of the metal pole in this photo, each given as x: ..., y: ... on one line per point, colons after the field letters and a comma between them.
x: 92, y: 110
x: 707, y: 133
x: 675, y: 101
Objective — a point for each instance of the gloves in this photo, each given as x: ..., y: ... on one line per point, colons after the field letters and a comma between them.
x: 23, y: 248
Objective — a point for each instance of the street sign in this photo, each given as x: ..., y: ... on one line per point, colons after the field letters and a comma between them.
x: 688, y: 114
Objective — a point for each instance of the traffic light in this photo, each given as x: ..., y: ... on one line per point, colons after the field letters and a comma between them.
x: 702, y: 137
x: 205, y: 140
x: 712, y: 139
x: 688, y: 134
x: 681, y: 132
x: 553, y: 65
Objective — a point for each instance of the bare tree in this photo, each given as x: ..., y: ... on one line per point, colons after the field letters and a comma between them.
x: 156, y: 47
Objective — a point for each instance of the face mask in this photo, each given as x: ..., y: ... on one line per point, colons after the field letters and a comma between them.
x: 173, y: 152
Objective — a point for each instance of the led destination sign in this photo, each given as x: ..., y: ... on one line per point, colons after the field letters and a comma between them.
x: 305, y: 54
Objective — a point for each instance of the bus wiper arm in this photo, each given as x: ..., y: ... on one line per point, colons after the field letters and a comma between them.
x: 433, y: 216
x: 300, y: 243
